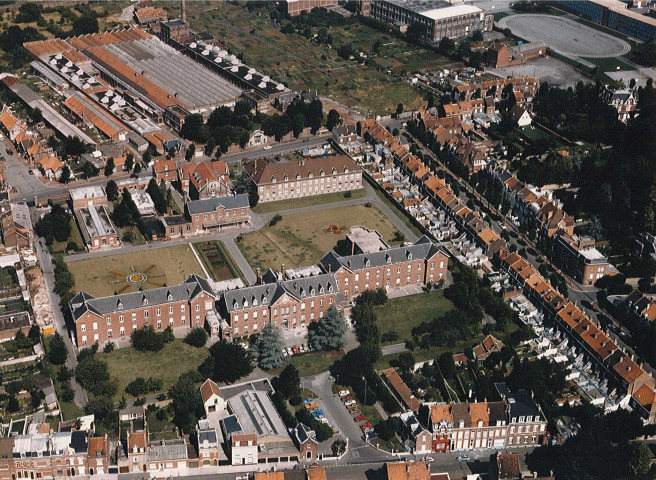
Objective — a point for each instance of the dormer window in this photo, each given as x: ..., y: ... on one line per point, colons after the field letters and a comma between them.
x: 120, y: 305
x: 321, y: 172
x: 330, y: 288
x: 245, y: 303
x: 298, y: 176
x: 265, y: 299
x: 302, y: 292
x: 254, y: 302
x: 409, y: 255
x: 367, y: 263
x: 273, y: 179
x: 169, y: 296
x: 388, y: 259
x: 346, y: 170
x: 145, y: 301
x: 320, y: 288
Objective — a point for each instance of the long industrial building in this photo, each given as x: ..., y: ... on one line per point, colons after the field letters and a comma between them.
x: 154, y: 74
x: 614, y: 14
x: 439, y: 17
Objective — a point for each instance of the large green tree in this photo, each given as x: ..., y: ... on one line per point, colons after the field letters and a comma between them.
x: 227, y: 363
x: 328, y: 332
x: 268, y: 348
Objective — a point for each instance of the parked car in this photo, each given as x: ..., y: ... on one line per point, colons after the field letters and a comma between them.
x: 463, y: 458
x: 323, y: 420
x: 318, y: 411
x: 268, y: 147
x: 289, y: 352
x: 310, y: 399
x: 303, y: 348
x: 364, y: 426
x: 360, y: 418
x: 350, y: 402
x: 306, y: 140
x: 353, y: 409
x: 295, y: 350
x: 317, y: 414
x: 347, y: 398
x: 343, y: 393
x: 311, y: 405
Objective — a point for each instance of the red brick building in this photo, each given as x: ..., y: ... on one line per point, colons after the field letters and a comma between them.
x: 415, y: 264
x: 204, y: 180
x: 109, y: 318
x: 218, y: 213
x: 286, y: 304
x: 165, y: 169
x: 312, y: 176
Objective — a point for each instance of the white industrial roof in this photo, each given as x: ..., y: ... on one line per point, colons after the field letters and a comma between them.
x: 448, y: 12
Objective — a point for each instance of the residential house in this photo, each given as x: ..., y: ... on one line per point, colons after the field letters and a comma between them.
x: 212, y: 399
x: 625, y: 101
x: 500, y: 55
x: 205, y: 179
x: 401, y: 389
x: 487, y: 347
x: 345, y: 134
x: 527, y: 425
x: 106, y: 319
x: 209, y: 444
x: 99, y: 455
x: 407, y: 470
x: 165, y: 169
x: 98, y: 231
x: 15, y: 225
x: 520, y: 115
x: 311, y: 176
x: 306, y: 442
x: 258, y: 137
x: 243, y: 448
x: 88, y: 196
x: 418, y: 439
x: 589, y: 264
x: 13, y: 128
x: 51, y: 167
x: 508, y: 466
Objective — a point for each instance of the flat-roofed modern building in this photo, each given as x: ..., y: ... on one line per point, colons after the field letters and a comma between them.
x: 438, y: 17
x: 97, y: 229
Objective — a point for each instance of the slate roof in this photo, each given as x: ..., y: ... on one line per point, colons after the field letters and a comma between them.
x: 520, y: 404
x: 84, y: 302
x: 210, y: 204
x: 263, y: 172
x: 306, y: 287
x: 421, y: 249
x: 169, y: 450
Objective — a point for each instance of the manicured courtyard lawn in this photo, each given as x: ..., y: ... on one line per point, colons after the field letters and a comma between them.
x: 102, y: 276
x: 217, y: 261
x: 403, y: 313
x: 302, y: 239
x: 175, y: 359
x: 279, y: 206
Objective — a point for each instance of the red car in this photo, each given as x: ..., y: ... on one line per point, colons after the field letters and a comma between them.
x: 360, y: 418
x: 295, y: 350
x: 365, y: 426
x: 346, y: 398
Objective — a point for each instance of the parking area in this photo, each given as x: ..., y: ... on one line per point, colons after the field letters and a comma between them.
x: 547, y: 69
x: 565, y: 35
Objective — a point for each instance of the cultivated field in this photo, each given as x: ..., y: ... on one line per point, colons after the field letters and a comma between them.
x: 302, y: 239
x: 103, y: 276
x: 303, y: 64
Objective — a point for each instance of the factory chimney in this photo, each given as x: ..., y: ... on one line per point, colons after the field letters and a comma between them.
x: 183, y: 9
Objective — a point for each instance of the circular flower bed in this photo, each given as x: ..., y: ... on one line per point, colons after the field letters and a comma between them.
x: 136, y: 278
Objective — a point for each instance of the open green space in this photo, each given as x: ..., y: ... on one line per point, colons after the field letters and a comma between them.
x: 311, y: 201
x: 102, y: 276
x: 213, y: 255
x: 302, y: 239
x: 75, y: 236
x: 303, y: 64
x: 312, y: 363
x: 402, y: 314
x: 175, y: 359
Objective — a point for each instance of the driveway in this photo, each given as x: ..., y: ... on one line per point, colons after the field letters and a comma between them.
x: 342, y: 420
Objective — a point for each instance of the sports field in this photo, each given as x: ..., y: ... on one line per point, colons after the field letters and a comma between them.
x: 302, y: 239
x: 102, y: 276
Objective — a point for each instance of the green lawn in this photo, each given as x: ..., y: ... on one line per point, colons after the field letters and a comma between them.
x: 102, y: 276
x: 312, y: 363
x: 311, y: 201
x: 302, y: 239
x: 75, y: 236
x: 421, y: 354
x: 175, y: 359
x: 403, y: 313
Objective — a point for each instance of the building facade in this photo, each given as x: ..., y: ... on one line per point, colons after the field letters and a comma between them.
x: 110, y: 318
x: 312, y: 176
x: 218, y: 213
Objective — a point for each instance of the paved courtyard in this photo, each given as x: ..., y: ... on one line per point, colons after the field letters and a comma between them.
x: 565, y: 35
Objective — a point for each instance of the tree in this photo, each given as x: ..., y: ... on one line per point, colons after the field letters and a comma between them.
x: 65, y: 176
x: 197, y: 337
x: 406, y: 362
x: 328, y: 332
x: 346, y: 51
x: 56, y: 224
x: 146, y: 339
x: 187, y: 403
x: 12, y: 404
x: 191, y: 151
x: 386, y: 429
x: 109, y: 347
x: 84, y: 25
x: 57, y: 351
x: 399, y: 109
x: 446, y: 47
x: 477, y: 36
x: 109, y: 167
x: 333, y: 119
x: 112, y: 190
x: 89, y: 170
x: 129, y: 162
x: 338, y: 447
x: 194, y: 128
x: 268, y: 348
x: 289, y: 382
x: 158, y: 196
x: 228, y: 362
x: 298, y: 124
x: 93, y: 375
x: 639, y: 460
x: 377, y: 46
x: 137, y: 167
